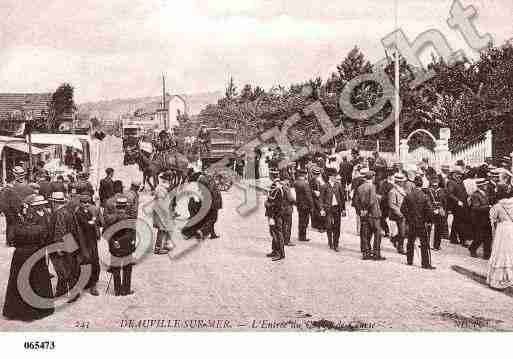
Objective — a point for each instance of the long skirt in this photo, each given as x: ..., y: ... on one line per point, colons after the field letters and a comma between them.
x: 500, y: 266
x: 15, y: 308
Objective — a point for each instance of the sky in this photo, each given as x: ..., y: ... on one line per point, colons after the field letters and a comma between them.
x: 109, y: 49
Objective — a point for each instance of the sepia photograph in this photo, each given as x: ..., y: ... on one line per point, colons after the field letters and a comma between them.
x: 255, y: 166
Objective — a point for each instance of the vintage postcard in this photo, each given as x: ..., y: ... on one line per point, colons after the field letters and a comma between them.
x: 256, y: 166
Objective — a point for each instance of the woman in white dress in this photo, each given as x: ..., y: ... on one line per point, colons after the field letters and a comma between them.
x: 500, y: 266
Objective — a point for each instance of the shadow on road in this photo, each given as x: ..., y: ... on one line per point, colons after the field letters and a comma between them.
x: 479, y: 278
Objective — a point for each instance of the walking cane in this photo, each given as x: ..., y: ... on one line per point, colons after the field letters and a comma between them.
x: 108, y: 285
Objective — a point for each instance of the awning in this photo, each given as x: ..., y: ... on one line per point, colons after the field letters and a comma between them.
x: 23, y: 147
x: 58, y: 139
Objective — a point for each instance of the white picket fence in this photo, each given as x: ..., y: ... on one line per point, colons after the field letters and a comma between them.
x: 475, y: 153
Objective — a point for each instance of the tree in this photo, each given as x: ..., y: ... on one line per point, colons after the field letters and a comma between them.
x: 231, y: 90
x: 62, y: 103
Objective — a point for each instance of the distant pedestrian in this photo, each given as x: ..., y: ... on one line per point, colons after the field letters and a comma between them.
x: 106, y: 189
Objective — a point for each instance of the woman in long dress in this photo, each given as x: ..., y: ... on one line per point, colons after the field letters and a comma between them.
x: 31, y: 235
x: 500, y: 266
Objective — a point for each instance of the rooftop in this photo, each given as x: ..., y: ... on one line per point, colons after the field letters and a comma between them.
x: 39, y: 103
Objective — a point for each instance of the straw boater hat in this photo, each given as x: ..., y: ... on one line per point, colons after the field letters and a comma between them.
x: 121, y: 202
x: 85, y: 198
x: 35, y: 200
x: 481, y: 182
x: 58, y: 197
x: 399, y: 177
x: 166, y: 176
x: 18, y: 172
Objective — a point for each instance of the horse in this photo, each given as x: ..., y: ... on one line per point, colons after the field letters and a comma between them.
x: 173, y: 162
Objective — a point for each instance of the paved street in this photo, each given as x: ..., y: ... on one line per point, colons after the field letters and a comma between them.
x: 230, y: 280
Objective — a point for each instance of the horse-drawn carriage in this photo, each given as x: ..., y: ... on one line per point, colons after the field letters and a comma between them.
x: 223, y: 144
x: 131, y: 136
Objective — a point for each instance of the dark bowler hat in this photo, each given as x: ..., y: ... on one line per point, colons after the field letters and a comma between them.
x: 83, y: 175
x: 35, y: 200
x: 331, y: 172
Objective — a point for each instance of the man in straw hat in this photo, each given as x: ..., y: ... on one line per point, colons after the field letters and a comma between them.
x: 480, y: 207
x: 395, y: 200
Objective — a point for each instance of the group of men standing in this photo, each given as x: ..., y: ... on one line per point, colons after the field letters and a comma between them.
x: 417, y: 199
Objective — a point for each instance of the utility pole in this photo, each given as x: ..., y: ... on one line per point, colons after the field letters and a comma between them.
x: 28, y: 124
x: 164, y: 117
x: 397, y: 101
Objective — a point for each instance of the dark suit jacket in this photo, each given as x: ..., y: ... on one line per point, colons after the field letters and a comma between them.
x: 480, y: 206
x: 455, y: 192
x: 367, y: 199
x: 418, y: 211
x: 304, y: 198
x: 106, y: 189
x: 327, y: 193
x: 346, y: 172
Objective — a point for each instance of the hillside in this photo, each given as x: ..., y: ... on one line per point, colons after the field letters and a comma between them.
x: 112, y: 109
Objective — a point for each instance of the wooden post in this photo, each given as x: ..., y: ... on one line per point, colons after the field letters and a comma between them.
x: 29, y: 138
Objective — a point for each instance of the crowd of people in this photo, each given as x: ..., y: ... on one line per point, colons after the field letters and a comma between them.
x: 64, y: 213
x: 67, y: 213
x: 418, y: 199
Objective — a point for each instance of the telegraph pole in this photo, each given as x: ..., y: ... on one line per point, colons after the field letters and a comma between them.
x: 28, y: 123
x: 397, y: 101
x: 164, y: 117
